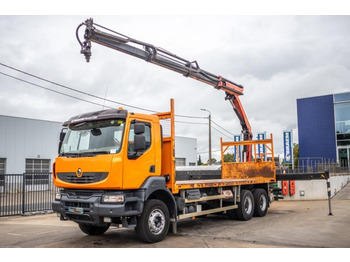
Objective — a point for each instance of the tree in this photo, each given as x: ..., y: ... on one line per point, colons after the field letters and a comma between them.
x: 213, y: 160
x: 229, y: 157
x: 295, y: 157
x: 296, y: 154
x: 199, y: 162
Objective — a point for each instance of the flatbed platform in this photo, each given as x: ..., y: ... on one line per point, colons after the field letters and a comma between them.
x: 201, y: 183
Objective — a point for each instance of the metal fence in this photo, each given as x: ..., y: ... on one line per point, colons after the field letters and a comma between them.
x: 333, y: 169
x: 26, y: 193
x: 315, y: 165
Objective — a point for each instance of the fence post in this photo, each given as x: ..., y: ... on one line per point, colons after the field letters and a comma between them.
x: 23, y: 193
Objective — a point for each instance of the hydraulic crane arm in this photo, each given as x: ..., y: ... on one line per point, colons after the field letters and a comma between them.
x: 163, y: 58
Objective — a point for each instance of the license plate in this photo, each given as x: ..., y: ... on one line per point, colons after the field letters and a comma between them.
x: 76, y: 210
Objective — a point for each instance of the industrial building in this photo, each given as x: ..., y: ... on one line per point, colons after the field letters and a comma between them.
x: 31, y: 145
x: 27, y: 145
x: 185, y: 151
x: 324, y: 129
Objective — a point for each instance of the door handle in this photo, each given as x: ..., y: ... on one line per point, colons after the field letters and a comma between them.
x: 152, y: 169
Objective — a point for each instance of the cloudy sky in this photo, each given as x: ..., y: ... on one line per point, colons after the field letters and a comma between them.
x: 277, y: 59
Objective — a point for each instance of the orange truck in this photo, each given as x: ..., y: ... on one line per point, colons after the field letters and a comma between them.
x: 118, y: 168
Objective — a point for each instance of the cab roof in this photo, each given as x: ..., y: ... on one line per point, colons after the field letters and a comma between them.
x: 97, y: 115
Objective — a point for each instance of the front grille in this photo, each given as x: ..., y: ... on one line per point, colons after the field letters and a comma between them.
x: 86, y: 178
x: 82, y: 193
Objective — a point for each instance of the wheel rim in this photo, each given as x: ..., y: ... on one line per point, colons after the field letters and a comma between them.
x: 248, y: 207
x: 156, y: 221
x: 262, y: 202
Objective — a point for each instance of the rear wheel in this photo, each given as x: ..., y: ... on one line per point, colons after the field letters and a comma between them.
x: 261, y: 202
x: 245, y: 208
x: 153, y: 225
x: 93, y: 230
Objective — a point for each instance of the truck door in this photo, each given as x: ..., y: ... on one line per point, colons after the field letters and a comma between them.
x: 139, y: 166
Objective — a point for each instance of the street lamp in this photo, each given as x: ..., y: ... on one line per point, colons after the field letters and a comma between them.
x: 209, y: 117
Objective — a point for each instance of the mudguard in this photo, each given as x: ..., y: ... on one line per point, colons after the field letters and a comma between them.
x: 156, y: 186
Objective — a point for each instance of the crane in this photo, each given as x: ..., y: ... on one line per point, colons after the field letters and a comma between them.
x: 168, y: 60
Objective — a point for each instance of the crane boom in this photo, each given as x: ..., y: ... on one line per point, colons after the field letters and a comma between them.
x: 166, y: 59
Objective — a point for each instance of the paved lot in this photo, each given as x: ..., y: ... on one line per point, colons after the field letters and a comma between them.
x: 287, y: 224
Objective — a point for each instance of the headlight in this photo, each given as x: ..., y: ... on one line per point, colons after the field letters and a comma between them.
x: 113, y: 198
x: 58, y: 196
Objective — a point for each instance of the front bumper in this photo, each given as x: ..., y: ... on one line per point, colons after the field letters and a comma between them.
x: 87, y: 207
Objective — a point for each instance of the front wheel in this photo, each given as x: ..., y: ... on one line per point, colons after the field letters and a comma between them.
x: 93, y: 230
x: 153, y: 224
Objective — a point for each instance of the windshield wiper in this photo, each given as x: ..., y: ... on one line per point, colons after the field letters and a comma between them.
x: 71, y: 154
x: 94, y: 153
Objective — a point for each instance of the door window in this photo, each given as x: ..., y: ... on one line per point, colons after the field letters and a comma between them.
x: 180, y: 161
x: 343, y: 154
x: 147, y: 135
x: 2, y: 166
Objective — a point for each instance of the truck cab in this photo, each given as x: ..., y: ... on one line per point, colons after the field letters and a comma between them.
x: 109, y: 165
x: 98, y: 149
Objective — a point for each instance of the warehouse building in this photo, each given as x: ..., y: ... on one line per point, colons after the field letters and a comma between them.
x: 27, y: 145
x: 324, y: 129
x: 31, y: 145
x: 185, y: 151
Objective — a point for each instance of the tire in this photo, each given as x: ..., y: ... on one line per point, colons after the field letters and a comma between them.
x: 93, y: 230
x: 245, y: 208
x: 153, y: 224
x: 261, y: 202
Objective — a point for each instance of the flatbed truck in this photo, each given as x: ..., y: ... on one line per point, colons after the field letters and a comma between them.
x: 117, y: 168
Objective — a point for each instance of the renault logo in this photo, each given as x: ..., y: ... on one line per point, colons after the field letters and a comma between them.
x: 79, y: 173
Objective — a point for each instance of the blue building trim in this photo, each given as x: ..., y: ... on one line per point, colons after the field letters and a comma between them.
x: 316, y: 128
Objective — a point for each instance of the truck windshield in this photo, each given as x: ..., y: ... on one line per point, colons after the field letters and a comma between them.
x: 92, y: 138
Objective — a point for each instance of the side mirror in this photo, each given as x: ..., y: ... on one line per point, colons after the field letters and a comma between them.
x: 139, y: 128
x: 139, y: 142
x: 62, y: 136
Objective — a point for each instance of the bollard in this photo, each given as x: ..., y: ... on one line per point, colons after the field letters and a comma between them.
x: 329, y: 192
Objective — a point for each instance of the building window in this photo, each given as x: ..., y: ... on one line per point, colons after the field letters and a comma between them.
x: 341, y: 97
x: 37, y: 165
x: 342, y: 123
x: 180, y: 161
x: 191, y: 164
x: 2, y: 166
x: 342, y: 118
